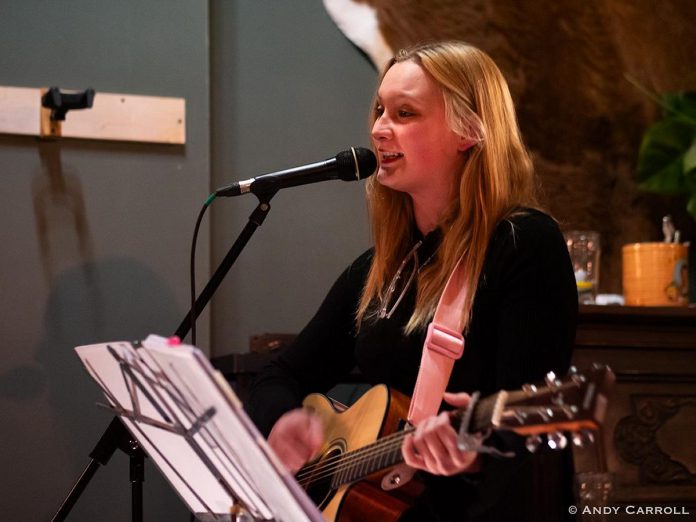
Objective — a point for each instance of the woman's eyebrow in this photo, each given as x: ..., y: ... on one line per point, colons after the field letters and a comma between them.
x: 399, y: 97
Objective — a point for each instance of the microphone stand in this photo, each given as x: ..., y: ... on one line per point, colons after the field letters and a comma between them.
x: 116, y: 436
x: 256, y: 219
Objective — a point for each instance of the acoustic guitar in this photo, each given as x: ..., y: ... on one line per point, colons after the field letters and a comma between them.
x: 360, y: 475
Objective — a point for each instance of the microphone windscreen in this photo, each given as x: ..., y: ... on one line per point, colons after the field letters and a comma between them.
x: 355, y: 163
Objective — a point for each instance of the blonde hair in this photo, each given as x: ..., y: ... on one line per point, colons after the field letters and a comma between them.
x: 496, y: 181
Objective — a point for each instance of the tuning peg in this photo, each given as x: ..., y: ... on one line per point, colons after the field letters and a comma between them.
x: 578, y: 440
x: 545, y: 413
x: 569, y: 410
x: 557, y: 440
x: 550, y: 378
x: 519, y: 416
x: 575, y: 375
x: 577, y: 378
x: 583, y: 438
x: 533, y: 442
x: 529, y: 389
x: 552, y: 381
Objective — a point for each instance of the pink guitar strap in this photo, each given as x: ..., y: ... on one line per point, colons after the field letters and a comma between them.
x: 443, y: 345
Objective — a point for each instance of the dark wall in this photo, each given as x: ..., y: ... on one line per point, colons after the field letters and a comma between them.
x: 268, y: 85
x: 95, y: 239
x: 287, y: 89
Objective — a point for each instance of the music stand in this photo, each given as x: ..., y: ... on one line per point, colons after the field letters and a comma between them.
x: 188, y: 420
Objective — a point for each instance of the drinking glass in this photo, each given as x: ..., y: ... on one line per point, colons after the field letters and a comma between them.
x: 584, y: 249
x: 593, y: 493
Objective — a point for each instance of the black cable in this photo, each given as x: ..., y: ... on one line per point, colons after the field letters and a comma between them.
x: 192, y: 316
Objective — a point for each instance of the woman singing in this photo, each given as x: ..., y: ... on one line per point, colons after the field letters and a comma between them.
x: 454, y: 182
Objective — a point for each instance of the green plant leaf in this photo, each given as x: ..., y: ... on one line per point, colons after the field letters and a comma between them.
x: 667, y: 155
x: 663, y: 143
x: 690, y: 158
x: 682, y: 105
x: 691, y: 205
x: 690, y: 179
x: 669, y: 180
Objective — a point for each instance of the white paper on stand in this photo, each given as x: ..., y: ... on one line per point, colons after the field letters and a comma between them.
x: 190, y: 423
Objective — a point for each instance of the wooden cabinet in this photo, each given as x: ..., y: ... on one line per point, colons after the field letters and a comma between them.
x: 648, y: 442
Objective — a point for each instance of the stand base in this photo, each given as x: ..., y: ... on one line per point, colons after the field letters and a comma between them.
x: 115, y: 437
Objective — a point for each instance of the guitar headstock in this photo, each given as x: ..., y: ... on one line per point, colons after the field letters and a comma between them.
x: 576, y: 403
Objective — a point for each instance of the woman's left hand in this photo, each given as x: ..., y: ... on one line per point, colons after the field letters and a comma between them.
x: 433, y: 446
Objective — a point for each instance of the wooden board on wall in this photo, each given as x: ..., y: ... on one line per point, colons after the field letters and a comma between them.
x: 120, y: 117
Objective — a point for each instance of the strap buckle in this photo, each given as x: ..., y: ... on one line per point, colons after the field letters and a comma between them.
x: 444, y: 341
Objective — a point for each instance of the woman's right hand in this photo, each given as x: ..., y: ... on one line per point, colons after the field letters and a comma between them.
x: 296, y: 437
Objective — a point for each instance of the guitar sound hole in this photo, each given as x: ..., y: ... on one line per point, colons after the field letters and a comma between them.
x: 318, y: 481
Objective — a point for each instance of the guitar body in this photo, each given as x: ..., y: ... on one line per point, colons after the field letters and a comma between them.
x: 376, y: 414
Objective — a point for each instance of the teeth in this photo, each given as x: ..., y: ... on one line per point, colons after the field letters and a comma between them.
x: 391, y: 155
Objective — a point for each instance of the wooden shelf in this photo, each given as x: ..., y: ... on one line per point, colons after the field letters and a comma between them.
x: 119, y: 117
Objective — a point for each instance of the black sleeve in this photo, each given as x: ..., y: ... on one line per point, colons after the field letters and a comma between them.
x: 321, y: 355
x: 538, y: 301
x: 535, y: 330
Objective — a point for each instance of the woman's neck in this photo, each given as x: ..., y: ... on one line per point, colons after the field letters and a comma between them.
x: 428, y: 213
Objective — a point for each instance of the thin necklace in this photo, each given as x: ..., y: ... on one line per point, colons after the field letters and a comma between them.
x: 385, y: 311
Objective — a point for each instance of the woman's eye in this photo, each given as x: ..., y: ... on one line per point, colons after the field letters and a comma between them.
x: 405, y: 114
x: 379, y: 110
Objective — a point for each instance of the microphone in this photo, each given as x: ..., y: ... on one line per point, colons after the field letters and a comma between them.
x: 348, y: 165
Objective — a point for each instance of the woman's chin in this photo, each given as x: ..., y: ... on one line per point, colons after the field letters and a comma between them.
x: 385, y: 178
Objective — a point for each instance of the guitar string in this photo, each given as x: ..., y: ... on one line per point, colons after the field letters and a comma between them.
x: 364, y: 451
x: 357, y: 457
x: 354, y: 459
x: 344, y: 461
x: 354, y: 462
x: 375, y: 447
x: 339, y: 472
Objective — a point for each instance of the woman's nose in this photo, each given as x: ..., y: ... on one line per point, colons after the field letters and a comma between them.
x: 380, y: 129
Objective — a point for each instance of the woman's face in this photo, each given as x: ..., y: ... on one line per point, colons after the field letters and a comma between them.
x: 418, y: 152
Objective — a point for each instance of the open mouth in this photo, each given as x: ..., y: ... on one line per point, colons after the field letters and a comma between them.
x: 390, y: 156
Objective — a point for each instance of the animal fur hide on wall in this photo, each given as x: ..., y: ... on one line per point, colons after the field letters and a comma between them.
x: 566, y: 62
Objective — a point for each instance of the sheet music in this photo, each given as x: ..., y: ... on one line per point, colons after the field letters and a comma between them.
x: 189, y: 422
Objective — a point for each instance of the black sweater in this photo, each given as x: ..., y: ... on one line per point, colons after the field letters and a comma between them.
x: 523, y: 325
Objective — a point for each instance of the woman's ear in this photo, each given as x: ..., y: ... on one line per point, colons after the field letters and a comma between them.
x: 466, y: 143
x: 472, y: 133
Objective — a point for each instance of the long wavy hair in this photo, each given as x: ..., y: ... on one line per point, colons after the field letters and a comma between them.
x: 496, y: 181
